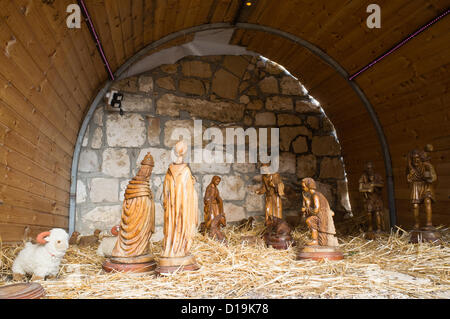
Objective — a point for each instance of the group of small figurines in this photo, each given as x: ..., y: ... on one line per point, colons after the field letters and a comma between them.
x: 180, y: 201
x: 421, y: 175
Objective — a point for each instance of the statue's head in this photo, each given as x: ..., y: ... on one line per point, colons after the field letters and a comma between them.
x: 147, y: 165
x: 416, y: 158
x: 180, y: 148
x: 308, y: 184
x: 216, y: 180
x: 369, y: 168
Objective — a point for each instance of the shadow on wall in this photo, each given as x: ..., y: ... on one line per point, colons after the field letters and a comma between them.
x: 223, y: 92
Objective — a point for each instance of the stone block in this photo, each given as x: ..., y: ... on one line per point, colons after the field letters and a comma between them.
x: 279, y: 103
x: 116, y: 162
x: 269, y: 85
x: 225, y: 84
x: 88, y: 161
x: 222, y: 111
x: 102, y: 217
x: 136, y: 103
x: 232, y: 187
x: 287, y: 163
x: 191, y: 86
x: 254, y: 202
x: 288, y: 134
x: 167, y: 83
x: 290, y: 86
x: 313, y: 122
x: 196, y: 68
x: 125, y: 131
x: 300, y: 145
x: 325, y: 145
x: 97, y: 138
x: 288, y: 119
x: 81, y: 192
x: 169, y: 68
x: 154, y: 130
x: 302, y: 106
x: 306, y: 166
x: 255, y: 105
x: 145, y: 83
x: 104, y: 190
x: 265, y: 119
x: 331, y: 168
x: 235, y: 64
x: 233, y: 212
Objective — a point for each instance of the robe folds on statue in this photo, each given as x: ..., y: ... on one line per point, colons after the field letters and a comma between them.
x: 137, y: 221
x: 180, y: 211
x: 323, y: 222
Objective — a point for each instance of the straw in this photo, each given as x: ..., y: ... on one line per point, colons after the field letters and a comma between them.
x: 388, y: 267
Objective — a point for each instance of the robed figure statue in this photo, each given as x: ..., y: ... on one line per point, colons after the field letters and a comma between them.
x: 132, y: 250
x: 319, y: 218
x: 180, y: 215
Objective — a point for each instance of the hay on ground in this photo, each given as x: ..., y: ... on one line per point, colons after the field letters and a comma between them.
x: 388, y: 267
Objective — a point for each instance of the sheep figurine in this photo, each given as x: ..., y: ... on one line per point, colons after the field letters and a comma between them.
x: 42, y: 259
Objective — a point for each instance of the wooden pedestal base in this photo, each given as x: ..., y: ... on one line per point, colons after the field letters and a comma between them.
x: 279, y: 242
x: 168, y: 265
x: 130, y: 264
x: 320, y: 253
x: 425, y: 234
x: 22, y: 291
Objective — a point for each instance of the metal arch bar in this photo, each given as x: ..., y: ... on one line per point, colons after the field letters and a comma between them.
x: 248, y: 26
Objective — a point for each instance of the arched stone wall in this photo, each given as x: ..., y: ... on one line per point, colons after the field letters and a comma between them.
x: 223, y: 92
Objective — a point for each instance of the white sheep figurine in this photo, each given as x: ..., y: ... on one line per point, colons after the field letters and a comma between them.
x: 42, y: 259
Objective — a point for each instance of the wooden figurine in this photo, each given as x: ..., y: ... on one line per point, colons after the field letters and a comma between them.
x: 319, y: 218
x: 213, y: 209
x: 371, y: 186
x: 180, y: 216
x: 132, y: 252
x: 273, y: 189
x: 278, y: 234
x: 77, y: 239
x: 421, y: 175
x: 215, y: 231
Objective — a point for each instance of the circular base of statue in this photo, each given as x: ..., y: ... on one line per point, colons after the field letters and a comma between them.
x: 279, y: 242
x: 22, y: 291
x: 371, y: 235
x: 137, y: 264
x: 427, y: 234
x: 168, y: 265
x: 320, y: 253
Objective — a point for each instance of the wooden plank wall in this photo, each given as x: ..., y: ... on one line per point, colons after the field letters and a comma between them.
x: 49, y: 74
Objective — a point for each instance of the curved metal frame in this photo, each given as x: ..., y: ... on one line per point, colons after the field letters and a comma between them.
x: 248, y: 26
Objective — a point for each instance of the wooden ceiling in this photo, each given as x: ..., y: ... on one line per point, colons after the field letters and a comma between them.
x: 49, y: 75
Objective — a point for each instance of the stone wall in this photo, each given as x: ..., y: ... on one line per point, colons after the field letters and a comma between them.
x: 222, y: 91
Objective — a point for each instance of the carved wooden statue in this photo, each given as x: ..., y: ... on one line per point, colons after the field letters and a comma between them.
x: 213, y: 202
x: 278, y: 233
x: 132, y: 251
x: 273, y: 188
x: 319, y: 218
x: 215, y: 231
x: 370, y: 186
x: 180, y: 215
x: 421, y: 175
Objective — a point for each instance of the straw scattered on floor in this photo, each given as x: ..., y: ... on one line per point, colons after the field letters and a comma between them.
x: 388, y: 267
